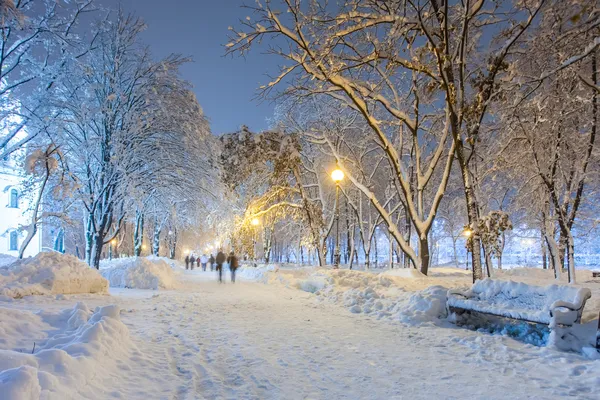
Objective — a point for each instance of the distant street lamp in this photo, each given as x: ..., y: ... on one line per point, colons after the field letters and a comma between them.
x: 111, y: 248
x: 337, y: 175
x: 468, y: 232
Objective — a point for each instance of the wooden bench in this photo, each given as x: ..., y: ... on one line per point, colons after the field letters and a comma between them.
x: 554, y: 305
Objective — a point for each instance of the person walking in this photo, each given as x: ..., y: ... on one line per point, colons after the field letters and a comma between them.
x: 211, y: 260
x: 220, y: 260
x: 192, y: 259
x: 187, y: 262
x: 232, y: 260
x: 203, y: 260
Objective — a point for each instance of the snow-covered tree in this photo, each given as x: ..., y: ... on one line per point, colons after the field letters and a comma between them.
x: 38, y: 39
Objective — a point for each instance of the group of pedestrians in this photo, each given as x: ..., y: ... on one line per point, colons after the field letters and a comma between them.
x: 215, y: 263
x: 203, y: 261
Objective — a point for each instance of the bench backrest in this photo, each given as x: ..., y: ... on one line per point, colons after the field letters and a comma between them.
x: 525, y: 296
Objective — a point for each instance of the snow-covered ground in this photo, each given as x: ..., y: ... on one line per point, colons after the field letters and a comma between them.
x: 279, y: 333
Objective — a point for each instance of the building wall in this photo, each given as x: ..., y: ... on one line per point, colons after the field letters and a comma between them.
x: 12, y: 218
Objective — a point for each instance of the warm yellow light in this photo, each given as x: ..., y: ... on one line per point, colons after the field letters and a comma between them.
x: 468, y: 232
x: 114, y: 242
x: 144, y: 247
x: 337, y: 175
x: 255, y: 222
x: 185, y: 251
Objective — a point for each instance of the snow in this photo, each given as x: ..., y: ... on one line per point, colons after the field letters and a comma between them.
x: 49, y: 273
x: 139, y: 273
x: 286, y: 333
x: 6, y: 259
x: 64, y: 364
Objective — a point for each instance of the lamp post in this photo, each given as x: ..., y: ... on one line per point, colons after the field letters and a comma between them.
x: 467, y: 232
x: 111, y: 248
x: 337, y: 175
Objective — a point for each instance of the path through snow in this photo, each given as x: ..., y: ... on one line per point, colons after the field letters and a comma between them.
x: 256, y: 341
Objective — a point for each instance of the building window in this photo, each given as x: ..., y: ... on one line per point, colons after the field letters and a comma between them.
x: 14, y: 241
x: 59, y: 241
x: 14, y: 198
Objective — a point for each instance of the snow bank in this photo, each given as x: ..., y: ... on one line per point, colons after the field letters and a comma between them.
x: 6, y: 259
x: 86, y: 348
x: 362, y: 292
x: 256, y: 273
x: 139, y: 273
x: 50, y: 273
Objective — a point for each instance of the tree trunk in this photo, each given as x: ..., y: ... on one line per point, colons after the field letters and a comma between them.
x: 488, y: 261
x: 353, y: 251
x: 543, y: 250
x: 407, y: 236
x: 138, y: 233
x: 376, y: 248
x: 172, y: 244
x: 89, y: 238
x: 96, y: 250
x: 156, y: 238
x: 424, y: 254
x: 455, y: 252
x: 391, y: 250
x: 571, y: 259
x: 554, y: 255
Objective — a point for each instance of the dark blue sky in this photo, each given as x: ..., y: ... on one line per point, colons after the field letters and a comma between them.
x: 225, y: 86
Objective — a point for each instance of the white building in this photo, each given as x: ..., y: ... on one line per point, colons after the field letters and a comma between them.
x: 14, y: 212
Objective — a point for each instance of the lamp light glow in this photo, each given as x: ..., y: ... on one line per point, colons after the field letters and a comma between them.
x: 337, y: 175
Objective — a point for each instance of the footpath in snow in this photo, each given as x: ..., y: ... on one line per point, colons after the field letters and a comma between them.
x: 278, y: 333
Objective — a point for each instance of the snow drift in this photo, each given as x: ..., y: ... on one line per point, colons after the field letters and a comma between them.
x: 139, y: 273
x: 50, y: 273
x: 86, y: 348
x: 363, y: 292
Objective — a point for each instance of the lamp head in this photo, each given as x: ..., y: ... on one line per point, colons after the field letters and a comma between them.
x: 337, y: 175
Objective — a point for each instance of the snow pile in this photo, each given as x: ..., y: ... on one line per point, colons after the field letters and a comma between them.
x: 139, y: 273
x: 257, y: 273
x: 426, y: 305
x: 87, y: 347
x: 50, y: 273
x: 6, y: 259
x: 380, y: 295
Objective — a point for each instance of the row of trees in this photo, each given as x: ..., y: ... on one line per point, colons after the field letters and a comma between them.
x: 487, y: 106
x: 116, y: 140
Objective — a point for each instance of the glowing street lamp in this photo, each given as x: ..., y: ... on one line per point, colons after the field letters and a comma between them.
x: 468, y: 233
x: 337, y: 176
x: 255, y: 222
x: 111, y: 247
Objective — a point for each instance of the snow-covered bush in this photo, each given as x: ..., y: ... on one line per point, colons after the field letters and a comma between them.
x: 138, y: 273
x: 50, y: 273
